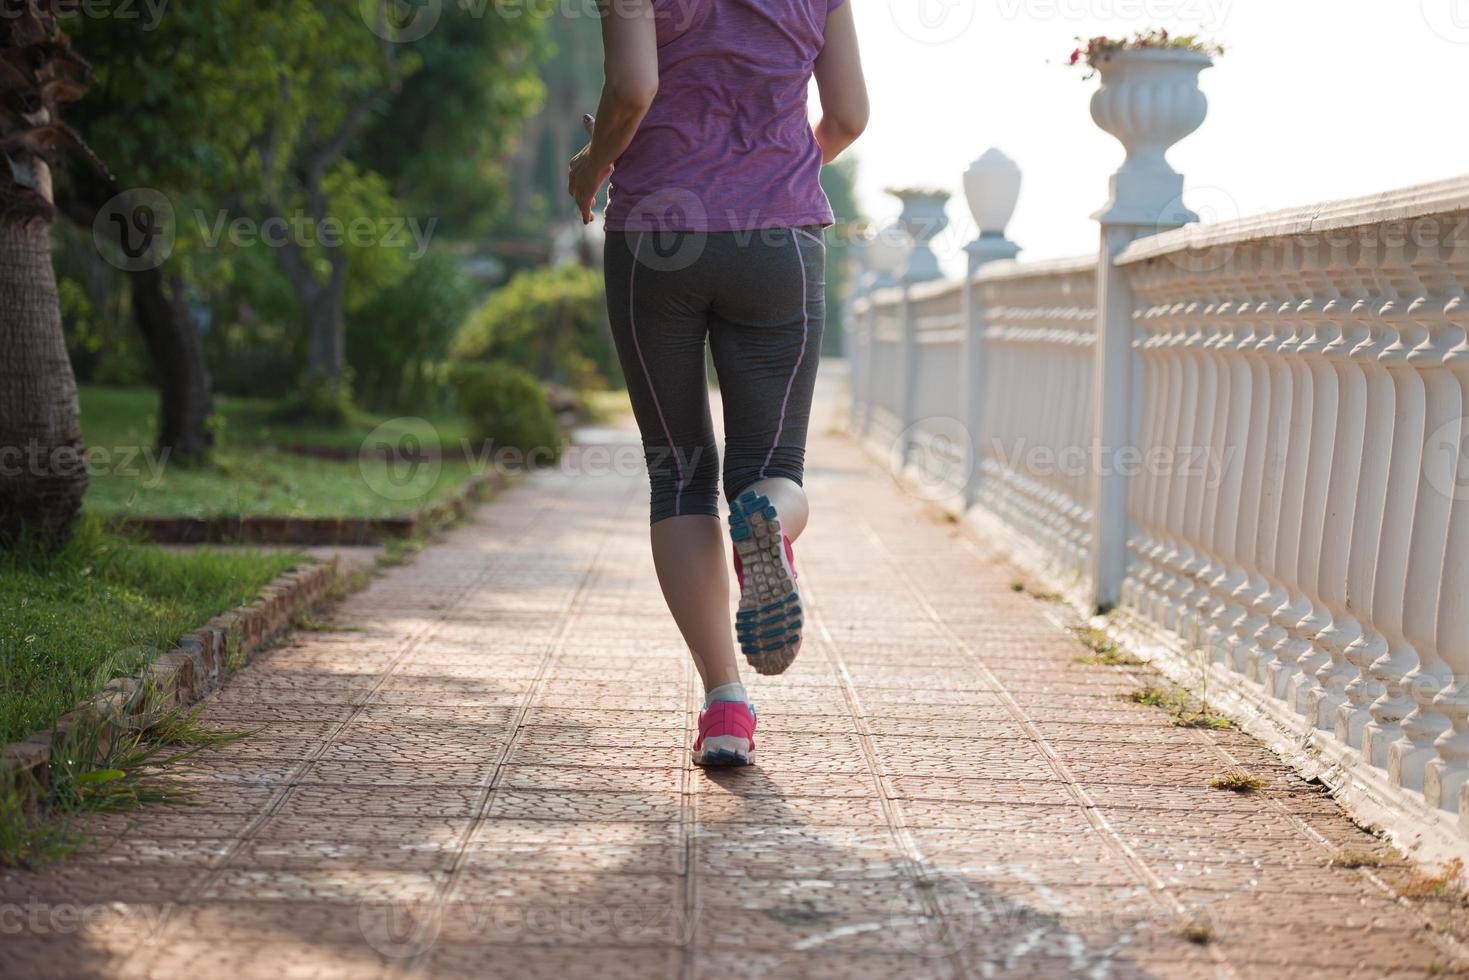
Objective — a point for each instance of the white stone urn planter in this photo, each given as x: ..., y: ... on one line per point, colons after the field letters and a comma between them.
x: 1149, y: 100
x: 924, y: 217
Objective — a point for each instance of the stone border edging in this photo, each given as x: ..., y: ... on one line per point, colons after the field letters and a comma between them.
x: 196, y: 667
x: 308, y: 531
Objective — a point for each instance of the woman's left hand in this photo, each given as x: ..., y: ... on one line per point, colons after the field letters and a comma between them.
x: 586, y: 179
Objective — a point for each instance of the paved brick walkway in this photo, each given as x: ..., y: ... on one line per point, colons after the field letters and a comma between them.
x: 484, y: 774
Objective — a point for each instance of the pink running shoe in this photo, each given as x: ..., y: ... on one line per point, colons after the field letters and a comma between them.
x: 726, y: 735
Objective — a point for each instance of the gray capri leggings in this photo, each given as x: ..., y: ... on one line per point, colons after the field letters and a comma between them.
x: 760, y: 299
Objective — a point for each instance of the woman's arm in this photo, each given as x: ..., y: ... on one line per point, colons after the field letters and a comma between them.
x: 839, y: 80
x: 630, y: 70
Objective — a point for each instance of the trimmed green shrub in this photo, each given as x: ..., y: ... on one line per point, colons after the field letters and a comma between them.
x: 551, y: 322
x: 507, y: 408
x: 398, y: 339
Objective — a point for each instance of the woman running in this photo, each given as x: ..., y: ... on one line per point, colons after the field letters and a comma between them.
x: 715, y: 228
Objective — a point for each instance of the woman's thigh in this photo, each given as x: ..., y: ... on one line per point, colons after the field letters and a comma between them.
x: 765, y: 332
x: 659, y: 318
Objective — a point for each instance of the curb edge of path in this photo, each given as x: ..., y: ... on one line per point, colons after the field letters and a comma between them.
x: 192, y: 670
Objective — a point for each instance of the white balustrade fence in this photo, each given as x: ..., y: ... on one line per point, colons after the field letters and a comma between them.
x: 1305, y: 386
x: 1250, y: 439
x: 1031, y: 440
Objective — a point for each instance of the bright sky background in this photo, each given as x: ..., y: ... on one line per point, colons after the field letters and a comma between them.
x: 1313, y: 100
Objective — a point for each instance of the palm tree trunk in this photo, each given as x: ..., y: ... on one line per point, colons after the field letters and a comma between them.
x: 43, y: 472
x: 42, y: 469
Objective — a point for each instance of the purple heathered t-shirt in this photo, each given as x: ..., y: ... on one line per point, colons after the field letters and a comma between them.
x: 727, y: 145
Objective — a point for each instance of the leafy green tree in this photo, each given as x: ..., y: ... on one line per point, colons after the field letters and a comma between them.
x: 480, y: 76
x: 278, y: 113
x: 573, y: 81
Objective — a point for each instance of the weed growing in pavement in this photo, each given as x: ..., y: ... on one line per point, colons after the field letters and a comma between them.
x: 110, y: 767
x: 1151, y: 696
x: 1177, y: 703
x: 1358, y: 859
x: 1237, y: 782
x: 26, y: 839
x: 102, y: 764
x: 1444, y: 885
x: 1018, y: 585
x: 1103, y: 650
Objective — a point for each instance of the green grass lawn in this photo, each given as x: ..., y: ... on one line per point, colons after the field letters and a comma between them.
x: 246, y: 476
x: 129, y: 417
x: 99, y: 609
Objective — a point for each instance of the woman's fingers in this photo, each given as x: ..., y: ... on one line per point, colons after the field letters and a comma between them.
x: 589, y: 123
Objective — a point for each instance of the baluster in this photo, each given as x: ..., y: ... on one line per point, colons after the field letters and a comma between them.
x: 1213, y: 400
x: 1281, y: 657
x: 1448, y: 774
x: 1408, y: 757
x: 1086, y: 339
x: 1265, y: 594
x: 1395, y: 656
x: 1055, y: 418
x: 1173, y: 370
x: 1144, y: 484
x: 1133, y: 591
x: 1370, y: 523
x: 1183, y: 492
x: 991, y: 419
x: 1219, y: 609
x: 1250, y: 583
x: 1183, y: 414
x: 1342, y: 503
x: 1308, y: 615
x: 1075, y: 441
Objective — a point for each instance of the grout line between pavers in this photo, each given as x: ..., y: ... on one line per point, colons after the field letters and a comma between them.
x: 489, y: 784
x: 892, y: 812
x: 1157, y: 889
x: 218, y: 865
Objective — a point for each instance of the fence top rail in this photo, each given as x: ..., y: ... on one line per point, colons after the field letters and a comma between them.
x: 1407, y: 204
x: 1008, y: 270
